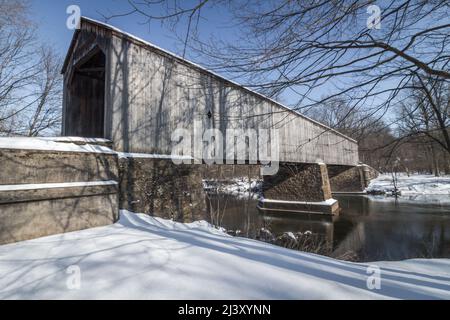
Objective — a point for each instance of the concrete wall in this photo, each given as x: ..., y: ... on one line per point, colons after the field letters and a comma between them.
x: 150, y: 93
x: 33, y: 219
x: 37, y: 199
x: 31, y: 166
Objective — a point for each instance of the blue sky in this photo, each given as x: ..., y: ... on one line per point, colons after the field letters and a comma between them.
x: 51, y: 17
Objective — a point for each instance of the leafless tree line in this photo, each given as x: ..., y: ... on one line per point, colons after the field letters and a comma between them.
x: 414, y: 139
x: 30, y: 80
x: 424, y: 124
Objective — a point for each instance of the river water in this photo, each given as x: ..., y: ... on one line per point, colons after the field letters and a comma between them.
x: 370, y: 228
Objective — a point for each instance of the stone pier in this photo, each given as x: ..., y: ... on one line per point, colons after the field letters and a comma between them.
x: 350, y: 180
x: 156, y: 186
x: 299, y: 188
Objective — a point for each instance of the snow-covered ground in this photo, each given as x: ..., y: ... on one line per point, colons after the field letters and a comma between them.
x: 418, y: 188
x: 149, y: 258
x: 240, y: 187
x: 412, y: 185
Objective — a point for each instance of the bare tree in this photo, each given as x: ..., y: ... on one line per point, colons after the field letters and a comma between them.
x: 310, y: 42
x: 45, y: 115
x: 373, y: 135
x: 171, y: 12
x: 338, y: 114
x: 306, y: 45
x: 425, y: 119
x: 29, y: 75
x: 16, y: 73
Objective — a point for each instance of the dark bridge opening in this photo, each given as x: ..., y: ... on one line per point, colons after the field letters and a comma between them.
x: 86, y: 98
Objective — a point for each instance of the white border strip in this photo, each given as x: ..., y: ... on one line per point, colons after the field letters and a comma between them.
x: 123, y: 155
x: 40, y: 186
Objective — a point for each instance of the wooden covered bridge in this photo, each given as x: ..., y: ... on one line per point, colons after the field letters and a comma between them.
x: 122, y: 88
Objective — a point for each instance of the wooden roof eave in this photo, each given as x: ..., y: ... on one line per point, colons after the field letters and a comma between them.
x: 70, y: 51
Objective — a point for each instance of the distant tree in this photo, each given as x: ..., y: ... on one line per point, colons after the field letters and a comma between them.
x: 372, y: 134
x: 425, y: 119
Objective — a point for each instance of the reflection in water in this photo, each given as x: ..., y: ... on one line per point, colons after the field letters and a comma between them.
x: 370, y: 228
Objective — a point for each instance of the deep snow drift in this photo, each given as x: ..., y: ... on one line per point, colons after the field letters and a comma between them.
x: 149, y: 258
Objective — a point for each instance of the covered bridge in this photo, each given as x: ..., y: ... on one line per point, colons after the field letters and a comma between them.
x: 122, y: 88
x: 125, y: 89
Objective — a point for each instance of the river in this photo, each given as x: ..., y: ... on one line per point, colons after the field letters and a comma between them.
x: 368, y: 228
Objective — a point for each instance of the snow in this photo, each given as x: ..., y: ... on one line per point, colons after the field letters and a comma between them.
x: 77, y: 140
x: 416, y: 188
x: 50, y: 144
x: 141, y: 257
x: 20, y: 187
x: 76, y: 144
x: 328, y: 202
x: 413, y: 185
x: 152, y: 156
x: 239, y: 187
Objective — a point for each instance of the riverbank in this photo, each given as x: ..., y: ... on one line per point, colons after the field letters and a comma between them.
x: 142, y: 257
x: 415, y: 184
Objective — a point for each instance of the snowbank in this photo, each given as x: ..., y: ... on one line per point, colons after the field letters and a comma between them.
x: 149, y: 258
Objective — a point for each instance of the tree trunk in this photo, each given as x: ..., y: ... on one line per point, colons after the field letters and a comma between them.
x: 434, y: 161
